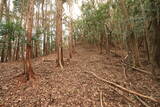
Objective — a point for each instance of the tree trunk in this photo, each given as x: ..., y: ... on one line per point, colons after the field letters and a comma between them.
x: 3, y: 50
x: 9, y: 46
x: 28, y: 66
x: 70, y: 40
x: 1, y: 9
x: 155, y: 40
x: 59, y: 7
x: 9, y: 51
x: 132, y: 46
x: 3, y: 44
x: 145, y: 31
x: 17, y: 50
x: 101, y: 43
x: 43, y: 26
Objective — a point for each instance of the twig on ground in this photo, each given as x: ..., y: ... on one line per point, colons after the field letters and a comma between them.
x: 101, y: 98
x: 122, y: 88
x: 141, y: 70
x: 48, y: 60
x: 125, y: 97
x: 124, y: 71
x: 142, y: 102
x: 125, y: 57
x: 137, y: 69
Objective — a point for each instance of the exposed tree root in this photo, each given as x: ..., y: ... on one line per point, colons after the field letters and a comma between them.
x: 23, y: 77
x: 60, y: 64
x: 122, y: 88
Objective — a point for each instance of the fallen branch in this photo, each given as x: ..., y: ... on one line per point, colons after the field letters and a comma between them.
x: 142, y: 102
x: 137, y: 69
x: 125, y: 97
x: 141, y: 70
x: 125, y: 57
x: 48, y: 60
x: 122, y: 88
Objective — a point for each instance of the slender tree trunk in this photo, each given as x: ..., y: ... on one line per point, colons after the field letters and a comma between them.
x: 48, y: 42
x: 37, y: 26
x: 59, y: 7
x: 9, y: 48
x: 9, y: 52
x: 3, y: 44
x: 17, y: 50
x: 28, y: 66
x: 3, y: 50
x: 133, y: 51
x: 145, y: 31
x: 43, y: 25
x: 14, y: 49
x: 1, y: 9
x: 101, y: 43
x: 70, y: 40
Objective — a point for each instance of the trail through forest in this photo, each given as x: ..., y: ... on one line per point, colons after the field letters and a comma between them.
x: 72, y: 87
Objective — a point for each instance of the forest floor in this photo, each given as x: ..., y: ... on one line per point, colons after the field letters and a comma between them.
x: 72, y: 86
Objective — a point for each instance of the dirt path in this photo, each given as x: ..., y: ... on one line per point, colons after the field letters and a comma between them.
x: 72, y: 87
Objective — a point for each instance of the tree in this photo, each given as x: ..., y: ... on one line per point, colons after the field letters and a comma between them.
x: 131, y: 38
x: 155, y: 38
x: 43, y: 25
x: 1, y: 9
x: 29, y: 24
x: 70, y: 38
x: 59, y: 48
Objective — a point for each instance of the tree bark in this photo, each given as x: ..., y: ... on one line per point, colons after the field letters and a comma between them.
x: 17, y: 50
x: 145, y: 31
x: 1, y: 9
x: 28, y: 66
x: 70, y: 39
x: 133, y: 50
x: 43, y: 25
x: 3, y: 50
x: 59, y: 7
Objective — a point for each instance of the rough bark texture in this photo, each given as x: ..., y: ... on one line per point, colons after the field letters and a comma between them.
x: 28, y: 67
x: 59, y: 7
